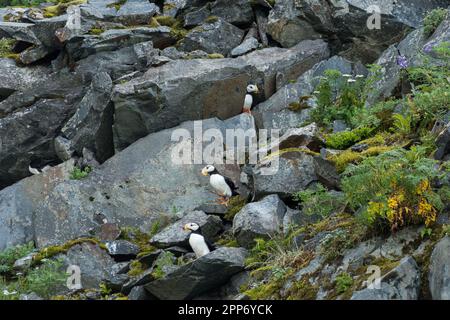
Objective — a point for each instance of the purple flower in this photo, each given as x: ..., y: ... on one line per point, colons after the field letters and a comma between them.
x: 402, y: 61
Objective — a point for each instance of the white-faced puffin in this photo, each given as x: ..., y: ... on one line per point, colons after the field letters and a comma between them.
x: 252, y: 89
x: 223, y: 186
x: 197, y: 241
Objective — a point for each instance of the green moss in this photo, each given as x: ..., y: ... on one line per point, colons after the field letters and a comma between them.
x: 303, y: 290
x: 212, y: 19
x: 6, y: 47
x: 136, y: 268
x: 345, y: 139
x: 51, y: 251
x: 60, y: 8
x: 169, y: 6
x: 281, y: 152
x: 117, y: 5
x: 96, y: 31
x: 215, y: 56
x: 235, y: 205
x: 299, y: 105
x: 344, y: 281
x: 265, y: 291
x: 141, y: 239
x: 343, y: 159
x: 78, y: 174
x: 167, y: 21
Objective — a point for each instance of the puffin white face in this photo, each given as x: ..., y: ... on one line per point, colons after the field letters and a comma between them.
x: 191, y: 226
x: 208, y: 169
x: 252, y: 88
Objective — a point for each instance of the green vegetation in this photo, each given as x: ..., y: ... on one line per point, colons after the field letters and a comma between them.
x: 343, y: 282
x: 78, y: 174
x: 394, y: 189
x: 21, y: 3
x: 6, y: 48
x: 10, y: 255
x: 345, y: 139
x: 164, y: 260
x: 318, y: 201
x: 433, y: 19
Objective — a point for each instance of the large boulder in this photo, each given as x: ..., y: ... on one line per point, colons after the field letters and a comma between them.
x: 13, y: 78
x: 199, y: 276
x: 401, y: 283
x: 292, y: 170
x: 260, y: 219
x: 91, y: 125
x: 137, y: 187
x: 95, y: 264
x: 439, y: 273
x: 213, y: 37
x: 204, y: 87
x: 237, y: 12
x: 174, y: 235
x: 286, y: 25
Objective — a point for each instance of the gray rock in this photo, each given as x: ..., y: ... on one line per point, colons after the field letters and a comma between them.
x: 13, y: 78
x: 115, y: 39
x: 139, y: 293
x: 135, y: 12
x: 401, y: 283
x: 245, y: 47
x: 122, y: 249
x: 199, y: 276
x: 259, y: 220
x: 30, y: 296
x: 292, y: 171
x: 238, y: 12
x: 24, y: 263
x: 91, y: 125
x: 63, y: 148
x: 33, y: 54
x: 439, y: 274
x: 210, y: 88
x: 137, y: 281
x: 95, y: 264
x: 287, y: 27
x: 174, y: 235
x: 195, y: 18
x: 216, y: 37
x: 443, y: 143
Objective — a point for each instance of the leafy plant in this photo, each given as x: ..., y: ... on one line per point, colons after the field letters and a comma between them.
x: 343, y: 140
x: 78, y: 174
x: 433, y: 19
x: 319, y: 201
x: 394, y: 189
x: 402, y: 124
x: 165, y: 259
x: 338, y: 98
x: 10, y: 255
x: 47, y: 279
x: 343, y: 282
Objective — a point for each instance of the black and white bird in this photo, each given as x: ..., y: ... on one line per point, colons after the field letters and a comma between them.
x: 223, y: 186
x: 252, y: 89
x: 197, y: 241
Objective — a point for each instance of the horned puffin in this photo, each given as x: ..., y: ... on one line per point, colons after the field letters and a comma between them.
x: 223, y: 186
x: 197, y: 241
x: 252, y: 89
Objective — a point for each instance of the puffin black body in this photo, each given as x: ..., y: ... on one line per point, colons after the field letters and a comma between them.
x: 223, y: 186
x: 199, y: 244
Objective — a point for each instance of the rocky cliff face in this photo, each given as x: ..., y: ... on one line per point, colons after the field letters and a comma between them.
x: 357, y: 207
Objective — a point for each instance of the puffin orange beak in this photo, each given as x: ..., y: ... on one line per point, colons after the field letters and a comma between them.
x: 257, y: 89
x: 185, y: 228
x: 204, y: 172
